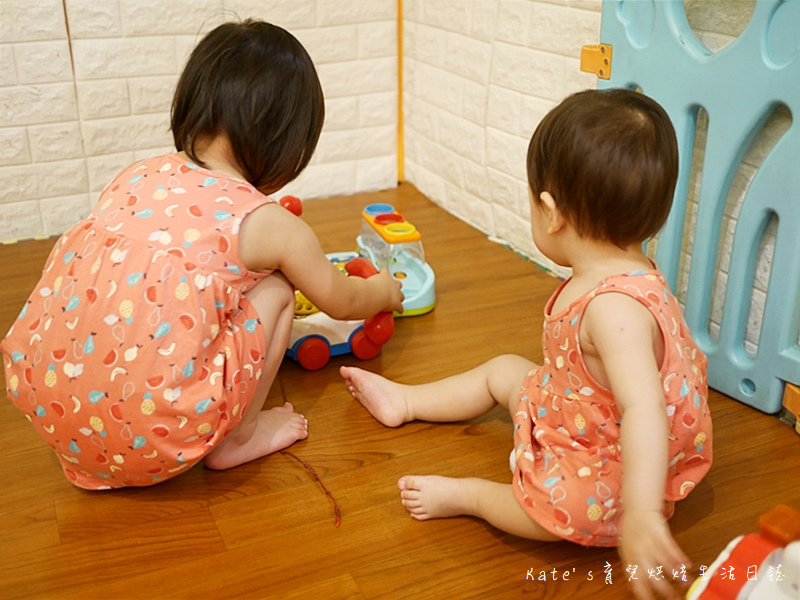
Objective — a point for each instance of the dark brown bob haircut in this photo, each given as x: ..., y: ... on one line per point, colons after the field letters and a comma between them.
x: 609, y: 158
x: 255, y: 83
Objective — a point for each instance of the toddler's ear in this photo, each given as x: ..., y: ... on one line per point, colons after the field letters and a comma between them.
x: 555, y: 218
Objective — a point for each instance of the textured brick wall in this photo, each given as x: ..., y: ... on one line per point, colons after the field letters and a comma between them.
x: 86, y: 85
x: 479, y: 76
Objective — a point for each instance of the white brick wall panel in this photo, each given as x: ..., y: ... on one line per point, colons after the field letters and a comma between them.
x: 753, y: 331
x: 102, y: 169
x: 18, y: 183
x: 449, y: 165
x: 509, y: 226
x: 330, y: 44
x: 421, y: 117
x: 562, y: 30
x: 339, y: 146
x: 184, y: 44
x: 8, y: 70
x: 62, y: 178
x: 43, y: 62
x: 335, y: 12
x: 425, y: 44
x: 151, y: 94
x: 31, y: 20
x: 20, y: 220
x: 428, y: 182
x: 451, y: 15
x: 475, y: 180
x: 474, y: 103
x: 377, y: 109
x: 513, y: 21
x: 296, y: 14
x: 155, y: 17
x: 467, y: 57
x: 341, y: 113
x: 32, y: 104
x: 506, y: 152
x: 107, y: 136
x: 463, y: 137
x: 469, y: 208
x: 358, y: 77
x: 377, y: 39
x: 533, y: 111
x: 764, y: 264
x: 103, y: 98
x: 504, y: 191
x: 322, y: 181
x: 14, y: 149
x: 376, y: 173
x: 33, y: 181
x: 484, y: 20
x: 93, y: 19
x: 595, y: 5
x: 442, y: 89
x: 124, y: 57
x: 59, y: 214
x: 57, y: 141
x: 412, y: 11
x: 504, y: 110
x: 529, y: 71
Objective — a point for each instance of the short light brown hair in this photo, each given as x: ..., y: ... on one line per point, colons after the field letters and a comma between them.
x: 609, y: 158
x: 254, y: 82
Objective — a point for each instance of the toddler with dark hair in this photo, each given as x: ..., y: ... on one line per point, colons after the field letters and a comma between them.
x: 160, y: 321
x: 613, y: 428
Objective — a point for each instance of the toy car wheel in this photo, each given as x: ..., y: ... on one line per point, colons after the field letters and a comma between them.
x: 362, y: 347
x: 313, y: 353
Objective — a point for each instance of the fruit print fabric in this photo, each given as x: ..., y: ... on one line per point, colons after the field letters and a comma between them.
x: 567, y: 456
x: 137, y: 351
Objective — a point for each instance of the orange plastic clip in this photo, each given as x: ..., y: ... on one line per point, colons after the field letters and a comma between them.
x: 780, y: 525
x: 596, y: 58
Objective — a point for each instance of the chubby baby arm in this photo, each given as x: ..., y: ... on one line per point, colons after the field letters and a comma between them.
x: 272, y: 238
x: 624, y: 337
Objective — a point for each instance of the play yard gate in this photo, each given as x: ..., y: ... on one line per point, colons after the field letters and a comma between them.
x: 739, y: 87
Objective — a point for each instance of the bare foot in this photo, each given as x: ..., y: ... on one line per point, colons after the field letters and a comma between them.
x: 432, y: 496
x: 273, y: 430
x: 385, y: 400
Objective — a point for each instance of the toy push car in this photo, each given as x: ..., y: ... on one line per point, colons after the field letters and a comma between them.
x: 387, y: 240
x: 757, y: 566
x: 316, y: 337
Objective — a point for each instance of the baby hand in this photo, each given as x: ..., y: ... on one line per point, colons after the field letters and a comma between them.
x: 647, y: 543
x: 394, y: 288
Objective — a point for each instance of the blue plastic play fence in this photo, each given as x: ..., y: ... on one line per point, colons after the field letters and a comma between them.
x: 655, y: 49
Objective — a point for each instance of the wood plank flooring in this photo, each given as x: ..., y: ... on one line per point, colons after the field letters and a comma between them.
x: 266, y: 529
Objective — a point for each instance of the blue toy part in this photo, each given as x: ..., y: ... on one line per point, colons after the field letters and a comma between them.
x: 739, y: 87
x: 402, y: 254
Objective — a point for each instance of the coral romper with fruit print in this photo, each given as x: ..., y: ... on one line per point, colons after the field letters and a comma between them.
x: 567, y: 456
x: 137, y: 351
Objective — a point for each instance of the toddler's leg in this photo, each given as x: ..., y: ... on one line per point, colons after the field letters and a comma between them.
x: 264, y: 432
x: 434, y: 497
x: 457, y: 398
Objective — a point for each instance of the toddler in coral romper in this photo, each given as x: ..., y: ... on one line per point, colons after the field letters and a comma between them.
x: 614, y: 427
x: 157, y: 328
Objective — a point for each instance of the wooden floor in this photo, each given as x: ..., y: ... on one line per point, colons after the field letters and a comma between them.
x: 266, y: 529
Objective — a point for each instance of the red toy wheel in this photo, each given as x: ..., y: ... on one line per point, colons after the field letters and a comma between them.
x: 313, y: 353
x: 379, y: 329
x: 362, y: 347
